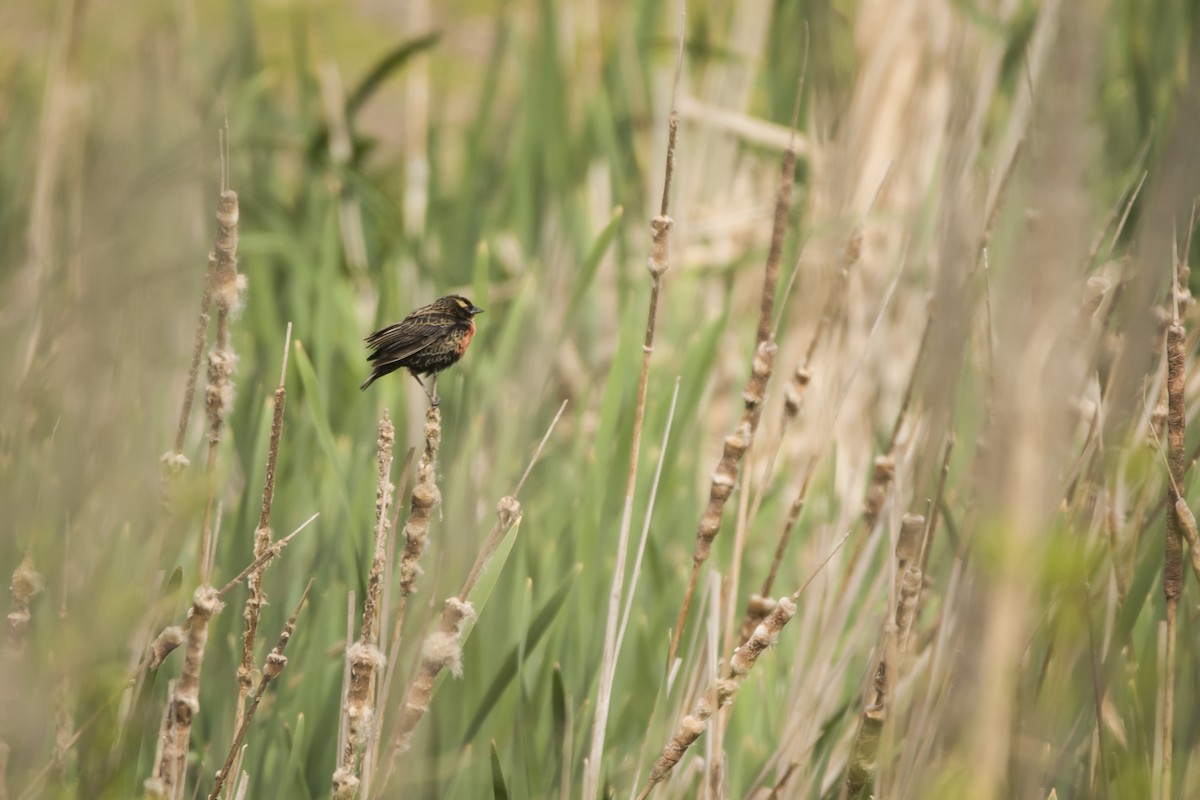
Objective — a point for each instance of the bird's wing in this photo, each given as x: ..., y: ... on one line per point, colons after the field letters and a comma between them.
x: 408, y: 337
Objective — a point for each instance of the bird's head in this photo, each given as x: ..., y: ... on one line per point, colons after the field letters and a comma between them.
x: 460, y: 305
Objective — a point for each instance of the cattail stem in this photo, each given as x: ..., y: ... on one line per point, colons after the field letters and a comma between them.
x: 257, y: 598
x: 725, y: 477
x: 1173, y: 554
x: 365, y: 658
x: 416, y: 529
x: 722, y: 691
x: 26, y: 584
x: 658, y: 263
x: 443, y: 647
x: 274, y: 665
x: 226, y: 288
x: 170, y: 768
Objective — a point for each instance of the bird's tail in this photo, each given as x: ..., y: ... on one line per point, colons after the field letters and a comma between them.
x: 370, y: 379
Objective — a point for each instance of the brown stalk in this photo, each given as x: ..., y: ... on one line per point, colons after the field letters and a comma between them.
x: 860, y: 768
x: 390, y: 647
x: 931, y: 520
x: 1173, y: 554
x: 759, y: 605
x: 1187, y: 520
x: 262, y: 545
x: 274, y: 665
x: 747, y: 512
x: 26, y: 584
x: 425, y: 495
x: 658, y: 263
x: 442, y: 648
x: 720, y: 693
x: 175, y: 461
x: 893, y: 644
x: 170, y: 768
x: 226, y: 287
x: 725, y: 476
x: 884, y: 471
x: 392, y: 644
x: 173, y: 636
x: 260, y: 563
x: 723, y: 690
x: 365, y: 657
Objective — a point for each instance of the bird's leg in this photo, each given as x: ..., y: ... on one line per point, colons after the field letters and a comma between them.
x: 430, y: 392
x: 425, y: 389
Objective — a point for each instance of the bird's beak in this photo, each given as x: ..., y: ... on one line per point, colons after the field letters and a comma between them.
x: 473, y: 310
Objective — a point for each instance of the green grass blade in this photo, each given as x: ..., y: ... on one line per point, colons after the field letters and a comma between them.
x: 499, y: 789
x: 508, y: 670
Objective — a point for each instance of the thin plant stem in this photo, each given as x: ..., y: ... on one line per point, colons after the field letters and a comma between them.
x: 257, y: 598
x: 658, y: 264
x: 442, y: 647
x: 276, y: 661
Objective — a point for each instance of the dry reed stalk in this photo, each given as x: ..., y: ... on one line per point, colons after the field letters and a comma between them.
x: 939, y: 496
x: 262, y: 561
x: 1156, y: 769
x: 641, y: 550
x: 365, y: 658
x: 442, y: 648
x: 425, y: 495
x: 26, y: 584
x: 226, y: 289
x: 341, y: 739
x: 1173, y: 554
x: 174, y: 461
x: 908, y: 544
x: 884, y: 469
x: 759, y: 605
x: 861, y: 764
x: 725, y: 476
x: 274, y: 665
x: 391, y: 646
x: 170, y: 768
x: 416, y: 533
x: 722, y: 691
x: 173, y: 636
x: 766, y: 333
x: 909, y: 593
x: 257, y: 598
x: 164, y: 644
x: 860, y: 767
x: 1187, y: 520
x: 658, y: 263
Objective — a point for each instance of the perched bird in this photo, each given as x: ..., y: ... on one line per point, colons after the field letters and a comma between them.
x: 427, y: 341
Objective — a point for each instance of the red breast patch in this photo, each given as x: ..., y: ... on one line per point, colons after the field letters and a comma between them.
x: 466, y: 339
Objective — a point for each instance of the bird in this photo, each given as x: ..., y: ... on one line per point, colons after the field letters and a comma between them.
x: 427, y: 341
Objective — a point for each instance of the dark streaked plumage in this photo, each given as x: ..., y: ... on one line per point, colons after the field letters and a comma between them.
x: 427, y: 341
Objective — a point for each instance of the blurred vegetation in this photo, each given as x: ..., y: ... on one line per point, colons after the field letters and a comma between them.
x: 524, y: 179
